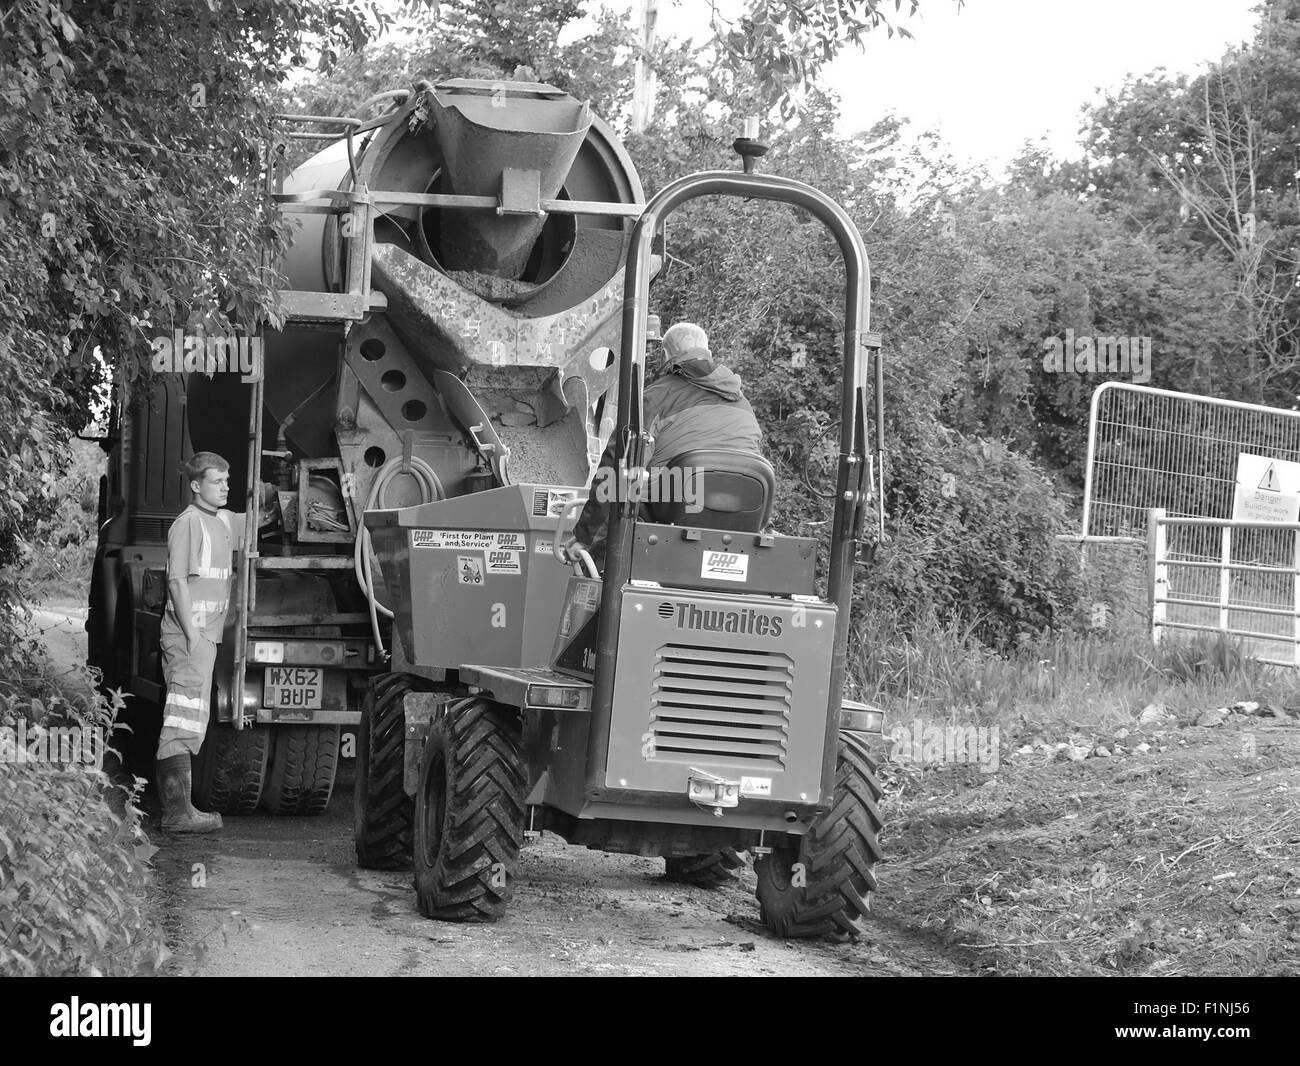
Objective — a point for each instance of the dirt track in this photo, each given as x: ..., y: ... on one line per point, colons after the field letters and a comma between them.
x: 305, y: 909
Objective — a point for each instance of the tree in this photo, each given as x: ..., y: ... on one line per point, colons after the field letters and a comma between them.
x: 132, y: 139
x: 1210, y: 164
x: 786, y: 43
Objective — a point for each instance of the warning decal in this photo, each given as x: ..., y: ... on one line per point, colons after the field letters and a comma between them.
x: 560, y: 500
x: 464, y: 539
x: 586, y: 594
x: 469, y: 569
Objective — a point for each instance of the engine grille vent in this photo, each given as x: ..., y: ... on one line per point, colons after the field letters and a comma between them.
x: 149, y: 529
x: 721, y: 705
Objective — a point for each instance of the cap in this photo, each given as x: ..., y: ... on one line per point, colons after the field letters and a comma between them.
x: 684, y: 340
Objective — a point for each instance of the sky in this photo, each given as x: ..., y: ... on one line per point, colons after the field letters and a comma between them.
x: 1000, y: 72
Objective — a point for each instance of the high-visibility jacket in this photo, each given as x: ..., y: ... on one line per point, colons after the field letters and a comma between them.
x: 199, y: 549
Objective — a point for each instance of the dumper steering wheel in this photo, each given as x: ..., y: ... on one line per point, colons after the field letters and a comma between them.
x: 584, y: 557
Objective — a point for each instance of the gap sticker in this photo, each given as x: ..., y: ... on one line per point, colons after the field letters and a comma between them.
x: 469, y: 569
x: 467, y: 539
x: 504, y: 562
x: 755, y: 786
x: 725, y: 566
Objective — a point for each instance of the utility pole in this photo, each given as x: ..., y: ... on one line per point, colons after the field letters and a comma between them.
x: 643, y: 98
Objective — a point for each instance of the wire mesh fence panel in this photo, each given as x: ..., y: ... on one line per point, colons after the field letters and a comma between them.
x: 1149, y: 448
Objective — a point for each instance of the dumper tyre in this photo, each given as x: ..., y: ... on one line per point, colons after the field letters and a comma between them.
x: 300, y: 778
x: 230, y: 770
x: 821, y: 886
x: 469, y: 812
x: 711, y: 870
x: 382, y: 811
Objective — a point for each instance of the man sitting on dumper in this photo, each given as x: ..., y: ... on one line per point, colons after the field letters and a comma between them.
x: 691, y: 404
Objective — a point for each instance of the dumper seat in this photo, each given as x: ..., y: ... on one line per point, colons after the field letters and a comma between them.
x: 736, y: 489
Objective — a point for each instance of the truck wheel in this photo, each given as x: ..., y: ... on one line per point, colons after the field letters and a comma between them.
x: 822, y: 886
x: 713, y: 870
x: 231, y: 769
x: 469, y: 812
x: 301, y: 776
x: 382, y: 810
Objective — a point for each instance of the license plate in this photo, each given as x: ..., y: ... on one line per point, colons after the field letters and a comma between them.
x: 293, y: 687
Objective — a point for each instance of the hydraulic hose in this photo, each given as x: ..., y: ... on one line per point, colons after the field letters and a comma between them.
x: 430, y: 489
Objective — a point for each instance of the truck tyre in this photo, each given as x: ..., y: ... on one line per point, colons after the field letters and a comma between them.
x: 712, y: 870
x: 469, y: 812
x: 301, y: 775
x: 231, y: 769
x: 821, y: 887
x: 382, y: 811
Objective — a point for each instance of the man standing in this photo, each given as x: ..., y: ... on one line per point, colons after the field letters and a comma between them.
x: 199, y: 547
x: 691, y: 404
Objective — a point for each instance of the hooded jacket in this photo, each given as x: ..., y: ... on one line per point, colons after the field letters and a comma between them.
x: 693, y: 404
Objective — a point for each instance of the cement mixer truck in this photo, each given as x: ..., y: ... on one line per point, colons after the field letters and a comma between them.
x: 455, y: 284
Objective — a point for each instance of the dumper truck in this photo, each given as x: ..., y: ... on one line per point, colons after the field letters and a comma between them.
x: 686, y: 701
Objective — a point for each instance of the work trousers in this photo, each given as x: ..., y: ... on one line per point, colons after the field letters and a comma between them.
x: 188, y: 673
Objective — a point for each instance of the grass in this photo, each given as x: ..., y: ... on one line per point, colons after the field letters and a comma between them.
x: 1095, y: 679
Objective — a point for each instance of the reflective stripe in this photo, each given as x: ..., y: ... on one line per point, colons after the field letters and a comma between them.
x: 218, y: 572
x: 209, y: 605
x: 185, y: 725
x: 193, y: 703
x: 205, y: 548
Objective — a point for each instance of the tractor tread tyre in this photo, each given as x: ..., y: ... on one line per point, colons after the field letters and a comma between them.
x: 838, y: 854
x: 469, y: 812
x: 382, y: 811
x: 304, y: 761
x: 230, y: 771
x: 711, y: 870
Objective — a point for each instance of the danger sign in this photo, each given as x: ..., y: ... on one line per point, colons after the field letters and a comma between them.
x: 1267, y: 490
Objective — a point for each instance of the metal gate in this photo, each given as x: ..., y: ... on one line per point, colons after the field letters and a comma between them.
x: 1241, y: 579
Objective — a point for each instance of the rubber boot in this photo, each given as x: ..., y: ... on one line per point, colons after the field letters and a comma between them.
x: 174, y: 784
